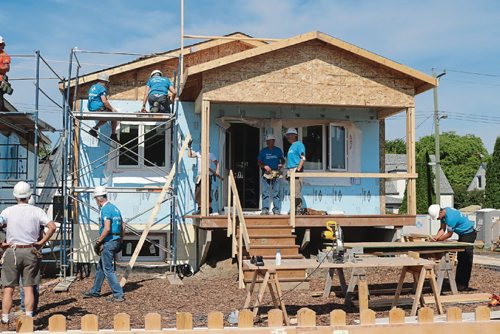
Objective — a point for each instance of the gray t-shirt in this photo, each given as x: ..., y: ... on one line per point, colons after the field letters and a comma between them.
x: 23, y: 223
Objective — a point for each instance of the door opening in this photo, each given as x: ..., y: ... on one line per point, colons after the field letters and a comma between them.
x: 243, y: 149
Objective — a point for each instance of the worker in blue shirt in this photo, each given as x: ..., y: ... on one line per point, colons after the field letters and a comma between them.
x: 453, y: 220
x: 98, y: 101
x: 111, y: 232
x: 156, y: 93
x: 295, y: 159
x: 271, y: 160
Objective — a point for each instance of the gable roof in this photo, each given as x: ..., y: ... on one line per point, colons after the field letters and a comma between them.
x: 162, y: 56
x: 397, y: 163
x: 424, y: 81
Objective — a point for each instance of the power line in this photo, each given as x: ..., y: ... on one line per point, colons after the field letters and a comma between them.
x: 475, y: 73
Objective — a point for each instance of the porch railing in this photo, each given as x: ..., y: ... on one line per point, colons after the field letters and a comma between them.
x: 235, y: 219
x: 294, y: 176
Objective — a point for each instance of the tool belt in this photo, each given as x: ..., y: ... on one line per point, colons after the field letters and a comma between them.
x: 274, y: 174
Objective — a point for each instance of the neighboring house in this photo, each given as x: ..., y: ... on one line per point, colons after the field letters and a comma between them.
x: 479, y: 180
x: 234, y: 93
x: 394, y: 189
x: 17, y: 157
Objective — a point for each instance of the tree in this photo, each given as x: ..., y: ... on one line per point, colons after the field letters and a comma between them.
x: 492, y: 190
x: 460, y: 156
x: 425, y: 186
x: 395, y: 146
x: 465, y: 198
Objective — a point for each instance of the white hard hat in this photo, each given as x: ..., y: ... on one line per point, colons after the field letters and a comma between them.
x: 270, y: 137
x: 434, y: 211
x: 2, y: 41
x: 22, y: 190
x: 156, y: 72
x: 103, y: 77
x: 291, y: 131
x: 100, y: 191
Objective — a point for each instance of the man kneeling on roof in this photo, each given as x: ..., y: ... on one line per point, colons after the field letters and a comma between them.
x: 98, y: 101
x: 22, y: 257
x: 156, y: 93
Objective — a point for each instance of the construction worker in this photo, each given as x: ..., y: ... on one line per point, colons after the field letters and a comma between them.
x: 5, y: 87
x: 215, y: 172
x: 295, y: 159
x: 453, y: 220
x: 22, y: 257
x: 111, y: 232
x: 98, y: 101
x: 270, y: 160
x: 156, y: 93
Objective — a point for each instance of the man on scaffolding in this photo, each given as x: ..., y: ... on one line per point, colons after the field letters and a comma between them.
x: 98, y: 101
x: 156, y: 93
x: 22, y: 257
x: 5, y: 87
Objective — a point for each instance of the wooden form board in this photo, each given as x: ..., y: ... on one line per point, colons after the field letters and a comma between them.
x: 371, y: 262
x: 406, y: 246
x: 154, y: 212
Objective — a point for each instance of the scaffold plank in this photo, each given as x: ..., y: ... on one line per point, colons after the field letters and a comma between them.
x: 121, y: 116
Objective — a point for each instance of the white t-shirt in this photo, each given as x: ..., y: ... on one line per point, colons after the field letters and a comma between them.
x: 23, y: 223
x: 211, y: 159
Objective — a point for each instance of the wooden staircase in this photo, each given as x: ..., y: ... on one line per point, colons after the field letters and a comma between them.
x: 268, y: 234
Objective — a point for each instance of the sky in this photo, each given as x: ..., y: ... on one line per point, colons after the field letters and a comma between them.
x: 458, y: 36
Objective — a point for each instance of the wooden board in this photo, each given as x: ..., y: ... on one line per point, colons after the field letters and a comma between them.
x: 403, y: 247
x: 370, y: 262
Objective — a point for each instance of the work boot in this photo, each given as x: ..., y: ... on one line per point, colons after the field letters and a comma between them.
x: 115, y: 300
x: 93, y: 132
x: 90, y: 294
x: 298, y: 206
x: 114, y: 137
x: 264, y: 212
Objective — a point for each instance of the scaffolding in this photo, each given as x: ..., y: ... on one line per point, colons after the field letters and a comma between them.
x: 74, y: 169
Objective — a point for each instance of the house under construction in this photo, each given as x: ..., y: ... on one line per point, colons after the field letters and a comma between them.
x: 233, y: 91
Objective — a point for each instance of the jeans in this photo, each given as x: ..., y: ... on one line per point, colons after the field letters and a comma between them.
x: 105, y: 269
x: 271, y: 188
x: 464, y: 260
x: 162, y: 103
x: 36, y: 292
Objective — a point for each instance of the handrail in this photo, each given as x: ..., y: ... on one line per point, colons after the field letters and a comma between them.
x: 234, y: 208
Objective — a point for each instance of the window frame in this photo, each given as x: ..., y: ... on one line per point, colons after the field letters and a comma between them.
x: 141, y: 164
x: 346, y: 146
x: 323, y: 151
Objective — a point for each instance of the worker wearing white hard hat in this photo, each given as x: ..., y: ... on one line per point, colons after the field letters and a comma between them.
x: 270, y: 160
x: 22, y: 258
x: 453, y: 221
x: 98, y: 101
x: 295, y: 159
x: 111, y: 232
x: 156, y: 93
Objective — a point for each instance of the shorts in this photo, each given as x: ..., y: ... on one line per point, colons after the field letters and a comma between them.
x: 20, y: 262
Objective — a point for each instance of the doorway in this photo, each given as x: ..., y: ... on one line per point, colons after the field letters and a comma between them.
x: 242, y: 152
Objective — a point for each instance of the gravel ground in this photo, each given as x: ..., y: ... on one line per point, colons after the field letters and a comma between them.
x: 216, y: 289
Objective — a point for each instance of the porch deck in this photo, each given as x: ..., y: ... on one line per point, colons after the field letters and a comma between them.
x: 220, y: 221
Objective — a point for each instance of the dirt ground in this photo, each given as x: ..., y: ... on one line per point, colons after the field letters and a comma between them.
x: 216, y: 289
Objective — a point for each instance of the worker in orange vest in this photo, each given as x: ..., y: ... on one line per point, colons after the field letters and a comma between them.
x: 5, y: 87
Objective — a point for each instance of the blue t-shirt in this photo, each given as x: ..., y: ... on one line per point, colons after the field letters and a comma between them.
x: 295, y: 151
x: 271, y: 157
x: 110, y: 212
x: 158, y: 85
x: 95, y: 92
x: 457, y: 222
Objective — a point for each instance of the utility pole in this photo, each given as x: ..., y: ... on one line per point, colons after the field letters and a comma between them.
x: 436, y: 138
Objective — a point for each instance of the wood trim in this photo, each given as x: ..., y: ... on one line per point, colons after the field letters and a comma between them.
x: 358, y: 175
x: 381, y: 147
x: 410, y: 156
x: 205, y: 149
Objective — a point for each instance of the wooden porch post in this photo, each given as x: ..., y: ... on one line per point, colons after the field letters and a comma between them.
x: 410, y: 160
x: 382, y: 163
x: 205, y: 149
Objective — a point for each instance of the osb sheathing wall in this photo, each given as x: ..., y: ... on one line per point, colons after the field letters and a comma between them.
x: 309, y: 73
x: 130, y: 85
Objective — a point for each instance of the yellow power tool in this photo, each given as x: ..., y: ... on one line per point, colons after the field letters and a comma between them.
x: 333, y: 233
